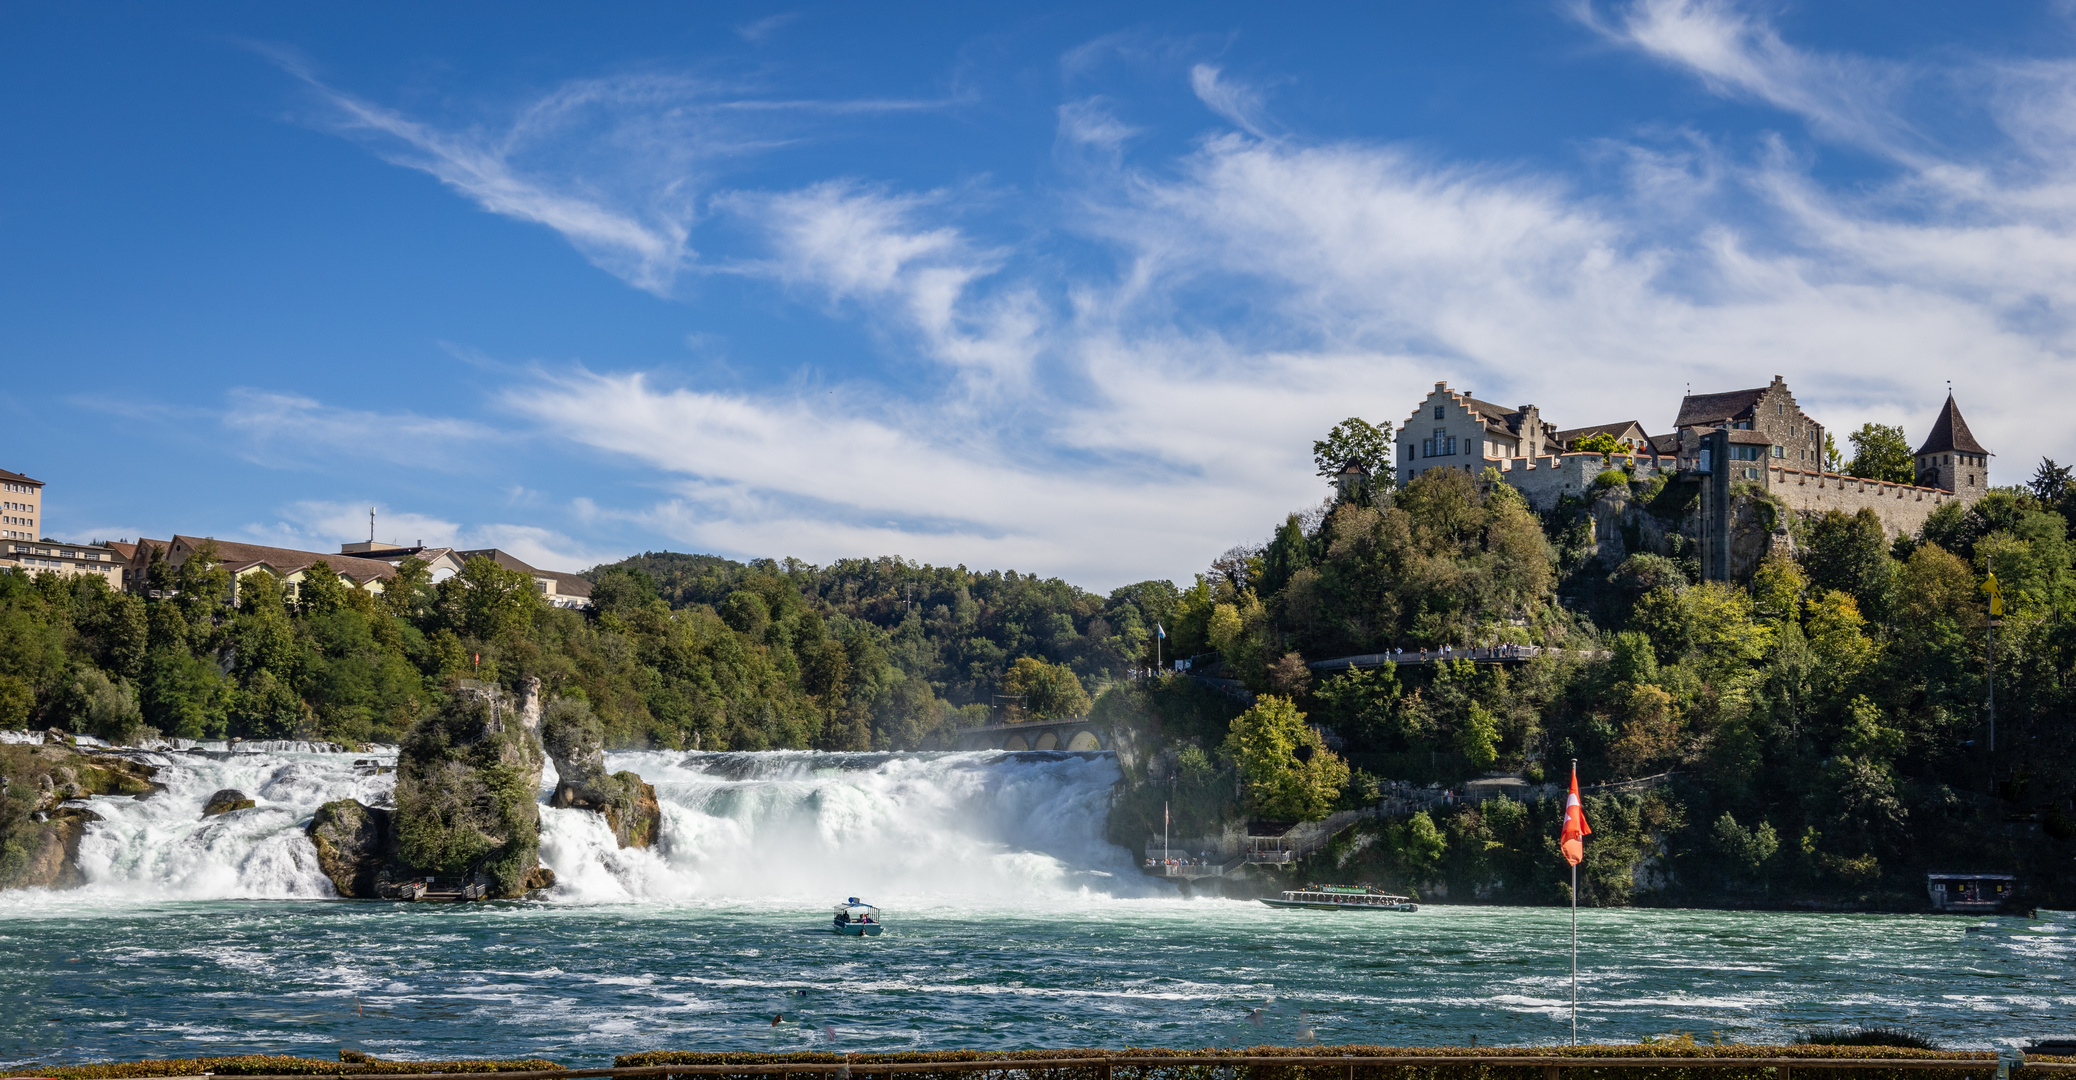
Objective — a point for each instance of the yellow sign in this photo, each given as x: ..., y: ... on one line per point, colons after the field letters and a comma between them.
x: 1996, y: 596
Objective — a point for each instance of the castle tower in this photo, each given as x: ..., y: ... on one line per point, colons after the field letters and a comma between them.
x: 1951, y: 458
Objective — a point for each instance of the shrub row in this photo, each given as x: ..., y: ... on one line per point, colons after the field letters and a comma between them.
x: 1202, y: 1064
x: 270, y: 1065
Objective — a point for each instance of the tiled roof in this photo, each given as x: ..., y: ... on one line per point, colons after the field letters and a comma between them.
x: 1950, y: 432
x: 1570, y: 435
x: 19, y: 478
x: 1749, y: 437
x: 1666, y: 444
x: 1700, y: 410
x: 236, y: 557
x: 565, y: 584
x: 127, y: 551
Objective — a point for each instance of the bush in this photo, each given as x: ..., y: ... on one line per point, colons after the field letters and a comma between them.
x: 272, y: 1065
x: 1868, y: 1036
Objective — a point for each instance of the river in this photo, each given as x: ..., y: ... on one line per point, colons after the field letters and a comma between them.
x: 1010, y: 924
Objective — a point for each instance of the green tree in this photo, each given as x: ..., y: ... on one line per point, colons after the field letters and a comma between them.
x: 1362, y: 706
x: 1850, y: 553
x: 1050, y: 691
x: 487, y: 601
x: 405, y: 594
x: 1286, y: 771
x: 1477, y: 737
x: 1881, y: 453
x: 1358, y: 440
x: 1602, y: 443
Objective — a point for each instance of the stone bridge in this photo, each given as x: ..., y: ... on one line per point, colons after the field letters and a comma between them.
x: 1073, y: 735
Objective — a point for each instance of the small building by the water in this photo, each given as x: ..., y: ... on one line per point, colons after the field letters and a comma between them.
x: 1970, y: 892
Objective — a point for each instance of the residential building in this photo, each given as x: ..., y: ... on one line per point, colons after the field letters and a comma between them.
x: 68, y: 560
x: 1786, y: 436
x: 21, y: 506
x: 244, y: 560
x: 558, y: 588
x: 1628, y: 432
x: 441, y: 562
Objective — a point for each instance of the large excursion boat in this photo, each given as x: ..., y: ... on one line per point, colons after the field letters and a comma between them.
x: 1343, y: 898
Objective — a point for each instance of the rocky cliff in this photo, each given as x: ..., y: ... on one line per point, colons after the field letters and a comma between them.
x: 465, y: 808
x: 575, y: 739
x: 39, y: 835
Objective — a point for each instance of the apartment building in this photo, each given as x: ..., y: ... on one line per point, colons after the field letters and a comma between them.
x: 103, y: 561
x: 21, y: 506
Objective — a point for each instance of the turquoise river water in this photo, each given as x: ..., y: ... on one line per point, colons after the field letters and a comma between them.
x: 1010, y: 924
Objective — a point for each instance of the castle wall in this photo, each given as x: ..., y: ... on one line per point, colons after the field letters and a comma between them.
x: 1902, y: 508
x: 1548, y: 478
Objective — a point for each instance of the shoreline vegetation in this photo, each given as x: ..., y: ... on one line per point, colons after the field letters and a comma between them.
x: 1815, y: 733
x: 1672, y: 1058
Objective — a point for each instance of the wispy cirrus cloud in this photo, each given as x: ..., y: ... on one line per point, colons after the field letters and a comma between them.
x: 282, y: 428
x: 616, y: 165
x: 1133, y: 413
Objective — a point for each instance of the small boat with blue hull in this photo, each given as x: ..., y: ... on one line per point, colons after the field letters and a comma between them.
x: 1343, y: 898
x: 856, y: 919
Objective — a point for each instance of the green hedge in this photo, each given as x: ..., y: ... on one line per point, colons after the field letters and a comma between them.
x: 270, y: 1065
x: 1200, y: 1064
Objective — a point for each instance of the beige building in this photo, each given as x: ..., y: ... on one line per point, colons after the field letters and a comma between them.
x: 21, y: 506
x: 244, y: 560
x: 556, y: 587
x: 68, y: 560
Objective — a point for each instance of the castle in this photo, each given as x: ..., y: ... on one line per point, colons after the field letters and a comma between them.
x: 1759, y: 437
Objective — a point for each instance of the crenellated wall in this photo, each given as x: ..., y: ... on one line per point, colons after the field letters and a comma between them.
x: 1903, y: 508
x: 1550, y: 477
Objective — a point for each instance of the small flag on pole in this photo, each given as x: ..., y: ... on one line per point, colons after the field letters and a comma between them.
x: 1573, y: 841
x: 1161, y: 630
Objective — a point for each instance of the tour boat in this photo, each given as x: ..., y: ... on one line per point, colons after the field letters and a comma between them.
x: 856, y: 918
x: 1343, y: 898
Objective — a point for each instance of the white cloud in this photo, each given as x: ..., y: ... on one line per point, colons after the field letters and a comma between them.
x: 1241, y: 104
x: 318, y: 525
x: 1132, y: 415
x: 280, y: 427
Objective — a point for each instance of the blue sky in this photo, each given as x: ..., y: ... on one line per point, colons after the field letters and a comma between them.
x: 1064, y: 288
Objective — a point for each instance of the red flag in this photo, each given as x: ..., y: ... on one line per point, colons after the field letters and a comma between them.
x: 1575, y: 828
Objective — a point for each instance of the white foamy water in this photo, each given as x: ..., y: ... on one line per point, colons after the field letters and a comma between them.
x: 800, y: 824
x: 735, y: 826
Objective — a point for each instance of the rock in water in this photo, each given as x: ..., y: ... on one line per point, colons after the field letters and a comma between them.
x: 576, y: 740
x: 465, y: 783
x: 227, y: 800
x: 353, y: 843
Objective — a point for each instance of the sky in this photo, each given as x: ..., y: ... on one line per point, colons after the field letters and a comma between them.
x: 1064, y: 288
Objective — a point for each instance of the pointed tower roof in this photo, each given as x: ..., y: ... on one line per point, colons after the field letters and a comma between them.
x: 1950, y: 432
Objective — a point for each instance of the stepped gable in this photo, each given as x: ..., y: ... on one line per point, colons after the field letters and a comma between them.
x: 1705, y: 410
x: 1950, y: 433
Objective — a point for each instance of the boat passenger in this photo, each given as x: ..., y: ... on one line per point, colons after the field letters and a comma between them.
x: 843, y: 918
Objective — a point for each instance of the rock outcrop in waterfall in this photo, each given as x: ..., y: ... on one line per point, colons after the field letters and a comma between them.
x: 575, y: 740
x: 465, y: 804
x: 39, y: 836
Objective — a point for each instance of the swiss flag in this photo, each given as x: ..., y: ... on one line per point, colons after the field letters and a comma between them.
x: 1575, y: 828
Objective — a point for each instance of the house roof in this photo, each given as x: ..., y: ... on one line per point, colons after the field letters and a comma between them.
x: 1701, y: 410
x: 127, y: 551
x: 565, y: 584
x: 1749, y: 437
x: 1571, y: 435
x: 1666, y: 444
x: 1950, y: 432
x: 237, y: 557
x: 19, y: 478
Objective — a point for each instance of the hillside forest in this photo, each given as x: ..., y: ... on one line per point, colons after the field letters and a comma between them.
x: 1817, y: 733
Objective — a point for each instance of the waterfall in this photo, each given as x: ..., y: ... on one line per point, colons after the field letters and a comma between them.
x: 802, y: 825
x: 790, y: 825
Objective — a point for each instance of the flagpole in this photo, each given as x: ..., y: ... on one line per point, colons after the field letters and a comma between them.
x: 1575, y: 931
x: 1164, y: 835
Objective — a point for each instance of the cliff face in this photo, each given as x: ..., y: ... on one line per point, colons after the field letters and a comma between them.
x: 466, y: 810
x: 39, y: 836
x: 575, y: 740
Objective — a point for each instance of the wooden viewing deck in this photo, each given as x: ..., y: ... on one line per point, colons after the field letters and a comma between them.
x: 1483, y: 654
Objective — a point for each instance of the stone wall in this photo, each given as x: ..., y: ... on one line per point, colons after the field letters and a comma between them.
x: 1902, y: 508
x: 1546, y: 479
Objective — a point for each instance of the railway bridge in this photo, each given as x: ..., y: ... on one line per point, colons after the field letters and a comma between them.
x: 1074, y: 735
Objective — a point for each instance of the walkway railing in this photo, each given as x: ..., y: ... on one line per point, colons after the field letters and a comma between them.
x: 1490, y: 654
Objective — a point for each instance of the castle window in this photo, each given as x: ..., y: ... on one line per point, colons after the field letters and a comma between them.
x: 1438, y: 412
x: 1780, y: 452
